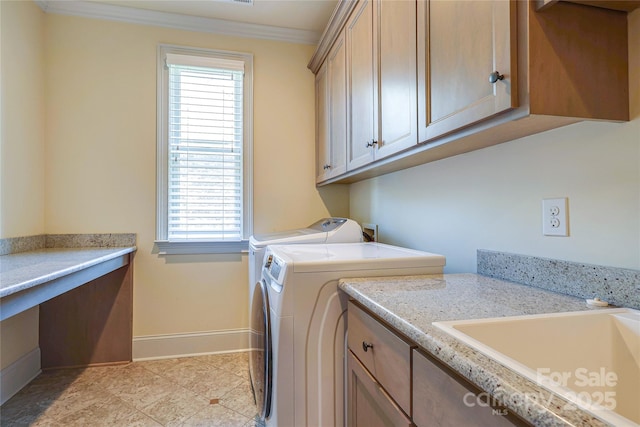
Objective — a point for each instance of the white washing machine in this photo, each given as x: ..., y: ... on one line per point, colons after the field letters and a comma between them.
x: 299, y: 325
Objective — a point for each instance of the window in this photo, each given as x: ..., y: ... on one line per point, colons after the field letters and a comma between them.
x: 204, y: 150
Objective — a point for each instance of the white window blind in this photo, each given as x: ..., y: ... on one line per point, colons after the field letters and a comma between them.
x: 202, y: 189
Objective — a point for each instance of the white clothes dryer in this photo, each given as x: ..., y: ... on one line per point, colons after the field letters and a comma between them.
x: 326, y: 230
x: 299, y: 325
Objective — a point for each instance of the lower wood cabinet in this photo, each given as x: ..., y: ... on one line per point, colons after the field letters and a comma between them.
x: 442, y: 398
x: 381, y: 352
x: 367, y: 402
x: 392, y: 383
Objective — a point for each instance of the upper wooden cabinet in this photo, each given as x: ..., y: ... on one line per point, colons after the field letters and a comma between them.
x: 363, y: 75
x: 396, y: 37
x: 457, y: 76
x: 623, y: 5
x: 323, y: 140
x: 465, y: 71
x: 331, y: 114
x: 381, y: 41
x: 578, y: 62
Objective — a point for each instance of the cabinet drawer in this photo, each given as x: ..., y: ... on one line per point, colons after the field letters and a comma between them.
x: 369, y: 405
x: 383, y: 353
x: 444, y: 399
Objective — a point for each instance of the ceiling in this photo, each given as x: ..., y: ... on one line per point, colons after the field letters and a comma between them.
x: 311, y: 15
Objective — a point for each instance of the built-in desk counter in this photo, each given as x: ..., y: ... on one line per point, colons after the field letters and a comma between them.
x: 85, y: 297
x: 30, y: 278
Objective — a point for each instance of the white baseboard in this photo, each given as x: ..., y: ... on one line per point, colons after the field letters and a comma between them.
x: 19, y: 374
x: 192, y: 344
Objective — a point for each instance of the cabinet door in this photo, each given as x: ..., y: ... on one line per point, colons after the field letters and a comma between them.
x: 368, y: 405
x: 383, y: 353
x: 461, y: 43
x: 397, y: 109
x: 337, y: 63
x: 323, y: 141
x: 362, y: 87
x: 443, y: 399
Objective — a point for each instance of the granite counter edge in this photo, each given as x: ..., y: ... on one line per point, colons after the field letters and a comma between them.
x: 53, y: 275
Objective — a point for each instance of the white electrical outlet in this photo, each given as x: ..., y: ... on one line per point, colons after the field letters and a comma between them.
x: 555, y: 217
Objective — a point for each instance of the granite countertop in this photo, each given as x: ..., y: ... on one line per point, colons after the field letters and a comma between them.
x: 25, y: 270
x: 411, y: 303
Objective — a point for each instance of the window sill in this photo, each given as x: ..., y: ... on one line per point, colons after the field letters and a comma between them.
x: 166, y: 247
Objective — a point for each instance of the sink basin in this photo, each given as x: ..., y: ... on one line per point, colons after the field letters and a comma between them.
x: 592, y: 358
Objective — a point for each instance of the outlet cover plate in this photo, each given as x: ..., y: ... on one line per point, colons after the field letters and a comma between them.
x: 555, y: 217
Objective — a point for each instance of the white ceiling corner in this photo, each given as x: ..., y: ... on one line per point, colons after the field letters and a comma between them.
x: 204, y: 16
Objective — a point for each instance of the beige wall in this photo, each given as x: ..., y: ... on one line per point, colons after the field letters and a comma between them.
x: 22, y: 122
x: 491, y: 198
x: 100, y: 167
x: 21, y: 149
x: 90, y: 87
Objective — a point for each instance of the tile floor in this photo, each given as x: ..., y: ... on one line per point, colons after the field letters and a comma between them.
x: 210, y: 390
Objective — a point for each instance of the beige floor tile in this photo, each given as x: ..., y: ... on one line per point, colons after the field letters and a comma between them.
x: 123, y: 373
x: 216, y: 415
x: 24, y: 418
x: 240, y: 399
x: 138, y: 387
x: 255, y: 422
x: 162, y: 365
x: 176, y: 408
x: 237, y: 363
x: 75, y: 398
x: 112, y: 412
x: 25, y: 407
x: 31, y: 420
x: 202, y: 378
x: 46, y: 422
x: 169, y: 392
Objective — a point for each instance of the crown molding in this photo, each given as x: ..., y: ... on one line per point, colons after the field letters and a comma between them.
x: 331, y: 32
x: 176, y: 21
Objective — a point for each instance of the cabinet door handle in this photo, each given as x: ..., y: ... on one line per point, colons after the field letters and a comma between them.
x: 495, y: 76
x: 325, y: 167
x: 366, y: 346
x: 372, y: 143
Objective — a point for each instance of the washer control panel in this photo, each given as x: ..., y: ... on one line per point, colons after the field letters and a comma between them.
x: 274, y: 267
x: 327, y: 224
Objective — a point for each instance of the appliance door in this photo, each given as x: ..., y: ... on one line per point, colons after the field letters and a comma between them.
x: 260, y: 359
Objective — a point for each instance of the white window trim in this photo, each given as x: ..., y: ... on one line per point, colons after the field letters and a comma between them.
x: 164, y: 246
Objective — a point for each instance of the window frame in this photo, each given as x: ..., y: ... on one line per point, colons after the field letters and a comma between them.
x: 200, y: 246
